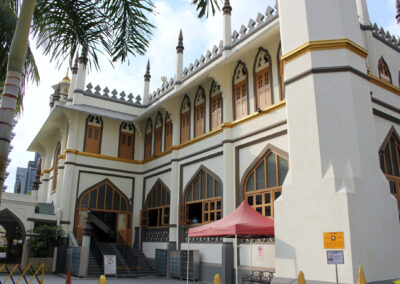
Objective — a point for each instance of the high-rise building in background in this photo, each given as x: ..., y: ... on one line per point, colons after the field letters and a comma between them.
x: 25, y: 176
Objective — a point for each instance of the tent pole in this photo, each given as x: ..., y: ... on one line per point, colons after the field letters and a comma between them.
x: 251, y: 256
x: 236, y: 258
x: 187, y: 263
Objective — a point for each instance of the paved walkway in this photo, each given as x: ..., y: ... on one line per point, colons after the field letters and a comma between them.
x: 60, y: 279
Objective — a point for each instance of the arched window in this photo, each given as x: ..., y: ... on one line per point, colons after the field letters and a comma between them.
x: 203, y: 200
x: 215, y: 106
x: 263, y: 184
x: 383, y: 69
x: 94, y: 127
x: 390, y: 163
x: 262, y: 79
x: 185, y: 120
x: 240, y: 91
x: 147, y: 139
x: 56, y: 159
x: 199, y: 112
x: 158, y: 134
x: 156, y: 213
x: 126, y: 140
x: 168, y: 132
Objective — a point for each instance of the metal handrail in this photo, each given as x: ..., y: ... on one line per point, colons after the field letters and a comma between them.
x: 98, y: 252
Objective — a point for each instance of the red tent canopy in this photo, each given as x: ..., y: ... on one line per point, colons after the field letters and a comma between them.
x: 244, y: 221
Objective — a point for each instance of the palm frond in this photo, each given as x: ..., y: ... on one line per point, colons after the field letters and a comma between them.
x: 203, y: 7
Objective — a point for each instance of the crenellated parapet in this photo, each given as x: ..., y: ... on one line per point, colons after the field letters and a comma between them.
x: 386, y: 37
x: 105, y: 94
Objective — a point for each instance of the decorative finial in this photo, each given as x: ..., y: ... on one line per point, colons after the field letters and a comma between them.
x: 164, y: 80
x: 180, y: 47
x: 227, y: 9
x: 147, y: 76
x: 37, y: 181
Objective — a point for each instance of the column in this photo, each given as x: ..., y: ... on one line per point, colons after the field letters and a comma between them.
x: 334, y: 182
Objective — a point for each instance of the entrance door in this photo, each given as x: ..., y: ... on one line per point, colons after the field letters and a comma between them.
x: 124, y: 230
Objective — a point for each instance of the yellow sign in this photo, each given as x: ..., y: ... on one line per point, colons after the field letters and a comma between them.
x: 333, y: 240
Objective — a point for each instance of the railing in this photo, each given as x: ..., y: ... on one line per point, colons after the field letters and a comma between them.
x: 98, y: 252
x: 28, y: 269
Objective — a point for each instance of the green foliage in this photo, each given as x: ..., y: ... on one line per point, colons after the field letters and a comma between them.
x: 203, y: 7
x: 43, y: 238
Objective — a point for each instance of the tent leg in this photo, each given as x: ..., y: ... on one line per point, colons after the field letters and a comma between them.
x: 187, y: 263
x: 251, y: 256
x: 236, y: 259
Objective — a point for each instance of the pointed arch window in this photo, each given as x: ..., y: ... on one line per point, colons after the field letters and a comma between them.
x: 168, y: 132
x: 215, y: 106
x: 240, y: 91
x: 383, y: 70
x: 56, y: 160
x: 158, y: 134
x: 185, y: 120
x: 93, y: 133
x: 263, y: 185
x: 199, y: 112
x: 147, y: 139
x: 157, y: 209
x: 203, y: 200
x: 262, y: 79
x: 390, y: 164
x: 126, y: 140
x: 280, y: 69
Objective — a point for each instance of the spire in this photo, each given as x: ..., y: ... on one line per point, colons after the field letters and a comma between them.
x: 147, y: 76
x: 180, y: 47
x: 227, y: 9
x: 74, y: 69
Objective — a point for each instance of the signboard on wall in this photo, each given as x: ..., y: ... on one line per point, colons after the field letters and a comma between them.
x: 110, y: 265
x: 333, y: 240
x: 335, y: 256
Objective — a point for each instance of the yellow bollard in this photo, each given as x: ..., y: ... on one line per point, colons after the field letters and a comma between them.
x: 102, y: 280
x: 217, y: 279
x: 361, y: 276
x: 301, y: 279
x: 397, y: 281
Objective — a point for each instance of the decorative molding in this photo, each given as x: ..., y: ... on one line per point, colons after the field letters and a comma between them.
x: 101, y: 156
x: 384, y: 84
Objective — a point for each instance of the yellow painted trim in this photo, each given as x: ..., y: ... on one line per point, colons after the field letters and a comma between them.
x: 325, y: 45
x: 207, y: 135
x: 48, y: 170
x: 61, y: 157
x: 384, y: 84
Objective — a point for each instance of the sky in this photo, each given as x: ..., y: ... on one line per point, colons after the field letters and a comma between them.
x: 171, y: 16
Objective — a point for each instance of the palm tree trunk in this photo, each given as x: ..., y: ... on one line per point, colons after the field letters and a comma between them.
x: 16, y: 59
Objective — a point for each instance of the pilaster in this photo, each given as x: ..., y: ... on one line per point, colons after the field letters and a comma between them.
x: 334, y: 183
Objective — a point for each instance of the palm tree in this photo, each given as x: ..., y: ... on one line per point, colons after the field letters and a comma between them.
x: 117, y: 27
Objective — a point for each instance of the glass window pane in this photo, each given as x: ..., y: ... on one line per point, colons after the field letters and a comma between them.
x: 212, y: 205
x: 277, y: 194
x: 203, y: 185
x: 387, y: 161
x: 116, y: 201
x: 84, y: 202
x: 93, y: 196
x: 392, y: 187
x: 218, y: 189
x: 189, y: 196
x: 258, y: 199
x: 218, y: 215
x: 283, y: 168
x: 212, y: 216
x: 267, y: 211
x: 394, y: 158
x: 206, y: 206
x: 123, y: 205
x: 196, y: 189
x: 210, y: 187
x: 218, y: 204
x: 166, y: 210
x: 271, y: 170
x: 206, y: 217
x: 260, y: 176
x: 259, y: 210
x: 100, y: 201
x: 267, y: 198
x: 250, y: 200
x: 166, y: 220
x: 159, y: 195
x: 250, y: 183
x: 168, y: 198
x: 108, y: 197
x: 153, y: 199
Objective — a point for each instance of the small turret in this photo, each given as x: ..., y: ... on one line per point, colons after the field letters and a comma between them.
x: 227, y: 10
x: 179, y: 61
x: 81, y: 77
x: 146, y: 90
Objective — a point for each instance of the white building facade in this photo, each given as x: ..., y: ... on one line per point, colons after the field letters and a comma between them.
x: 298, y: 113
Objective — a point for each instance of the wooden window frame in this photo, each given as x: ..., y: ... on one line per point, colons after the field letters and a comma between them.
x: 89, y: 128
x: 267, y: 190
x: 200, y: 94
x: 183, y: 207
x: 255, y: 82
x: 56, y: 160
x: 158, y: 188
x: 148, y: 140
x: 126, y: 124
x: 215, y: 93
x: 383, y: 68
x: 186, y: 101
x: 242, y: 65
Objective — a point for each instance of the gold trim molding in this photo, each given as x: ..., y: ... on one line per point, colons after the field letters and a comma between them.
x: 247, y: 118
x: 384, y: 84
x: 325, y: 45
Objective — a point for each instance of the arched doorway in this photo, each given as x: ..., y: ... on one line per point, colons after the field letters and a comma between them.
x: 12, y: 237
x: 109, y: 205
